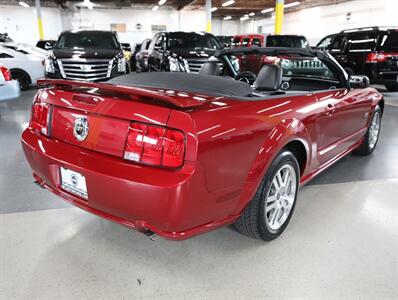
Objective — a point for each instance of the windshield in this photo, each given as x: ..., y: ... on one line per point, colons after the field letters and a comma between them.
x: 286, y: 41
x: 192, y: 41
x: 293, y: 66
x: 389, y: 42
x: 88, y: 40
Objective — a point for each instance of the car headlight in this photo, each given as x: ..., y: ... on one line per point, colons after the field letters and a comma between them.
x: 174, y: 64
x: 49, y: 65
x: 121, y: 65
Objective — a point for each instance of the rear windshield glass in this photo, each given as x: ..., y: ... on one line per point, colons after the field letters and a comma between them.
x: 88, y: 40
x: 389, y: 41
x: 286, y: 41
x: 362, y: 41
x: 193, y: 41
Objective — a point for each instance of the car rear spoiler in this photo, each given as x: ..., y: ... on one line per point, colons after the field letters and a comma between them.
x: 179, y: 102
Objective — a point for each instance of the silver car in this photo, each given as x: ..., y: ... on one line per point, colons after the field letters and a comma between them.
x: 9, y: 88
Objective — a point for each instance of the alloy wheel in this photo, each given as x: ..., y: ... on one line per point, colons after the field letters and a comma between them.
x: 280, y: 197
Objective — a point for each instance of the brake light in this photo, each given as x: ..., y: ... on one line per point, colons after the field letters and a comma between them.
x: 376, y: 57
x: 40, y: 117
x: 155, y: 145
x: 6, y: 73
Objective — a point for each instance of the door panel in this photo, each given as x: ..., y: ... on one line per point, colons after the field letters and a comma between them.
x: 342, y: 122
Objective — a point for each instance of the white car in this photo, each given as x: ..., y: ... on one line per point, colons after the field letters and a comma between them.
x: 9, y: 88
x: 27, y: 69
x: 27, y: 49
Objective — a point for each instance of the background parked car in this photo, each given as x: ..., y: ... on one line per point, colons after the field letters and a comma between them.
x: 87, y: 55
x: 248, y: 40
x: 181, y: 51
x: 5, y: 38
x: 46, y: 44
x: 9, y: 88
x: 372, y: 51
x: 27, y: 49
x: 127, y: 54
x: 225, y: 40
x: 141, y: 57
x: 253, y: 63
x: 27, y: 69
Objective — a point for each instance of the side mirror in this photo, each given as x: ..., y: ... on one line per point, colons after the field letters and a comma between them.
x: 358, y: 81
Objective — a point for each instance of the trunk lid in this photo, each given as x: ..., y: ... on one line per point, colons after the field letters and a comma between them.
x: 97, y: 118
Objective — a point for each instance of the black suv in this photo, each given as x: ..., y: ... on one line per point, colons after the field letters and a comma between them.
x: 181, y: 51
x: 87, y: 55
x: 371, y: 51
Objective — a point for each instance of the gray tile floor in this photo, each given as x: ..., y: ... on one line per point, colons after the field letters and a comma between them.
x: 342, y: 242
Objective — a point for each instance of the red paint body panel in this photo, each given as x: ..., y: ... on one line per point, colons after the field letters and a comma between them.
x: 229, y: 147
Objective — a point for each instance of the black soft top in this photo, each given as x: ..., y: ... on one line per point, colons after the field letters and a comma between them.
x: 187, y: 82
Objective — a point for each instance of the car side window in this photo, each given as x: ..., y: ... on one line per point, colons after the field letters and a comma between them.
x: 324, y: 44
x: 256, y: 42
x: 362, y: 41
x: 5, y: 55
x: 159, y: 42
x: 337, y: 43
x: 245, y: 42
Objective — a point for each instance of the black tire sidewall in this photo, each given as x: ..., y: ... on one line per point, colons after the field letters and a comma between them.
x: 284, y: 157
x: 22, y: 78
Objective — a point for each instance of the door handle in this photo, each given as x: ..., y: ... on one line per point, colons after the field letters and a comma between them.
x: 329, y: 110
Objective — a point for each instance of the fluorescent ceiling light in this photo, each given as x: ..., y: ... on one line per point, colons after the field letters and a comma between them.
x: 267, y: 10
x: 228, y: 3
x: 228, y: 18
x: 161, y: 2
x: 244, y: 18
x: 292, y: 4
x: 213, y: 9
x: 24, y: 4
x: 251, y: 14
x: 155, y: 8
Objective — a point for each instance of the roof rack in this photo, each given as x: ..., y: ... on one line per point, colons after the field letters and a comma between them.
x: 370, y: 28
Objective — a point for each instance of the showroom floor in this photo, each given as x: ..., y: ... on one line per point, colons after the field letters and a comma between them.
x: 342, y: 241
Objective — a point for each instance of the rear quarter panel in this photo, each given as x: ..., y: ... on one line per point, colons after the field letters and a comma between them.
x: 237, y: 141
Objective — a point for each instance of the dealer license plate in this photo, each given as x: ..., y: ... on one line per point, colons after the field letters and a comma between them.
x: 74, y: 182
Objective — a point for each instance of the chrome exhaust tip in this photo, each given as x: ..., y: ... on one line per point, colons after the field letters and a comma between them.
x: 150, y: 235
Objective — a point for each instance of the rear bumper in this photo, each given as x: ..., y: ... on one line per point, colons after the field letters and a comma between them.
x: 173, y: 204
x: 9, y: 90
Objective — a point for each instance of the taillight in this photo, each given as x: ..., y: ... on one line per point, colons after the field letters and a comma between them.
x: 6, y: 73
x: 40, y: 117
x: 376, y: 57
x: 155, y: 145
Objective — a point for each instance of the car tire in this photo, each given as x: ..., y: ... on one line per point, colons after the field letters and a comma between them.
x: 372, y: 134
x: 393, y: 87
x: 22, y: 77
x: 258, y: 223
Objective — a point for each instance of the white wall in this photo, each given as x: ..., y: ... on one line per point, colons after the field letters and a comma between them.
x: 317, y: 22
x: 21, y: 23
x: 102, y: 19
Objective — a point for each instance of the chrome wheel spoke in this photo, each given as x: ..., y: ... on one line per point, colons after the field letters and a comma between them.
x: 281, y: 196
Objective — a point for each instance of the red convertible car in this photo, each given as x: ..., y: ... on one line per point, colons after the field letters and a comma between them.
x: 179, y: 154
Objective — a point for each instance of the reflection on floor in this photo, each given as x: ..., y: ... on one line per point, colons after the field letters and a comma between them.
x: 342, y: 242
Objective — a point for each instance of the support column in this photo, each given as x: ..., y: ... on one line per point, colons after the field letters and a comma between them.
x: 39, y: 20
x: 208, y: 16
x: 279, y: 16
